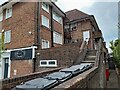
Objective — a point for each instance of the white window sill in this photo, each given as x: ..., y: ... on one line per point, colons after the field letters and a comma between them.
x: 8, y: 17
x: 57, y: 21
x: 45, y: 10
x: 48, y: 66
x: 6, y: 42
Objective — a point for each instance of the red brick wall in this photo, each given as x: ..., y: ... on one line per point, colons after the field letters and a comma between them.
x: 23, y: 21
x: 82, y: 26
x: 22, y: 67
x: 85, y: 25
x: 20, y: 24
x: 78, y: 32
x: 64, y: 55
x: 46, y: 32
x: 58, y: 28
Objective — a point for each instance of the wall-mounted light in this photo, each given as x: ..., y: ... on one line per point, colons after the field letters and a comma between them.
x: 38, y: 53
x: 30, y: 33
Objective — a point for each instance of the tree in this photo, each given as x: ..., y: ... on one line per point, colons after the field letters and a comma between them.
x: 1, y: 43
x: 112, y: 45
x: 115, y: 47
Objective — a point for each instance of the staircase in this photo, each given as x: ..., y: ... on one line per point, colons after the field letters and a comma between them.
x: 90, y: 56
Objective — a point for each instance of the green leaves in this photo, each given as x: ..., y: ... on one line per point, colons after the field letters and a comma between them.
x: 112, y: 45
x: 1, y: 43
x: 115, y: 47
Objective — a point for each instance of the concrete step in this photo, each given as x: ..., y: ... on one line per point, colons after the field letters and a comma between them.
x: 90, y: 57
x: 92, y: 50
x: 91, y: 53
x: 88, y: 62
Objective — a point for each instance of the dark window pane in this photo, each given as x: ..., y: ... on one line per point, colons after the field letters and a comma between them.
x: 43, y: 62
x: 52, y: 62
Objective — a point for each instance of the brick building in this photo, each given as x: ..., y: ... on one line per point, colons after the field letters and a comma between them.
x: 27, y: 27
x: 80, y: 26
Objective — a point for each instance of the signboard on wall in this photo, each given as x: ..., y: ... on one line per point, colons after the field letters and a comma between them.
x: 25, y: 54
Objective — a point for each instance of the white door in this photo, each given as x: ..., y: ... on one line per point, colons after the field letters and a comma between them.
x: 5, y: 65
x: 86, y: 35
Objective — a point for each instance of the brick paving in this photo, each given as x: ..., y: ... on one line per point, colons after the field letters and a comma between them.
x: 113, y: 80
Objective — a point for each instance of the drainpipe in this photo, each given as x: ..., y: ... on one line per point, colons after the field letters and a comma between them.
x: 37, y: 34
x: 38, y: 24
x: 63, y: 31
x: 34, y: 64
x: 52, y: 26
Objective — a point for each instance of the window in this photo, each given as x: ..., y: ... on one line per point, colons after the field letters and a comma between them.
x: 44, y: 63
x: 51, y: 62
x: 45, y: 21
x: 57, y: 38
x: 57, y: 17
x: 1, y: 17
x: 86, y: 35
x: 67, y: 28
x: 45, y: 44
x: 7, y: 38
x: 48, y: 63
x: 8, y: 12
x: 73, y: 26
x: 45, y: 6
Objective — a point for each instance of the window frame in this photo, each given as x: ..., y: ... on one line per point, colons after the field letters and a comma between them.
x: 57, y: 17
x: 43, y: 64
x: 45, y: 41
x: 44, y: 7
x: 10, y: 12
x: 44, y: 24
x: 47, y: 63
x: 59, y: 37
x: 1, y: 16
x: 73, y: 26
x: 6, y: 36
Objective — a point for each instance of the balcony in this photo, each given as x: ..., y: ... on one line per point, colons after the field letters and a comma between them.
x: 97, y: 34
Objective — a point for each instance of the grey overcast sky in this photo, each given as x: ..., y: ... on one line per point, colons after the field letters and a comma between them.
x: 105, y: 12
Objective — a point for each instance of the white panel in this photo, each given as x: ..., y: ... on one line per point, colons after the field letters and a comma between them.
x: 86, y: 35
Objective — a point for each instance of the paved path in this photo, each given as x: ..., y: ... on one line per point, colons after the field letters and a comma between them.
x: 113, y: 80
